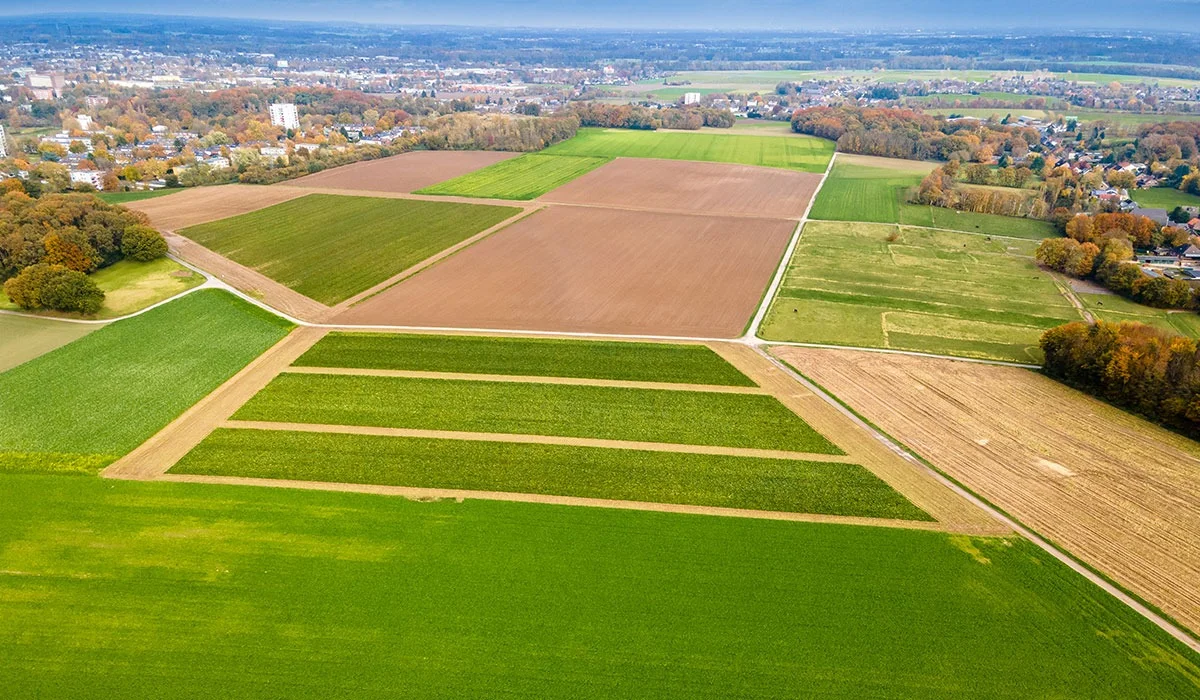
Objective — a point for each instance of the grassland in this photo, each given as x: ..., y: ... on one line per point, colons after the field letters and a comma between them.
x: 23, y: 338
x: 644, y: 415
x: 766, y: 80
x: 970, y: 222
x: 560, y: 470
x: 807, y: 154
x: 125, y: 589
x: 81, y: 406
x: 131, y: 286
x: 541, y: 357
x: 530, y: 176
x: 330, y: 247
x: 928, y: 291
x: 123, y: 197
x: 1164, y: 198
x: 1113, y: 308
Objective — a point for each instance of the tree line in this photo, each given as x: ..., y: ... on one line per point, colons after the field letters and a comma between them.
x: 689, y: 117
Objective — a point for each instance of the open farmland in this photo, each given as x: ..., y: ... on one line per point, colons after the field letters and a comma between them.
x: 1164, y: 198
x: 198, y: 205
x: 873, y: 285
x: 971, y: 222
x: 692, y: 188
x: 1116, y: 491
x: 594, y: 270
x: 866, y: 188
x: 527, y: 177
x: 23, y: 338
x: 330, y: 247
x: 1115, y: 309
x: 403, y: 173
x: 805, y: 153
x: 126, y: 197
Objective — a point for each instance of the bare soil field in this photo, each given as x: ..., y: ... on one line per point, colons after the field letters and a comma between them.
x: 1117, y: 492
x: 198, y: 205
x: 578, y: 269
x: 403, y: 173
x: 692, y: 188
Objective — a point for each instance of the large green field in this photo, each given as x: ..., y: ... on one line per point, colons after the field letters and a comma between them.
x: 23, y: 338
x: 541, y: 357
x: 613, y: 413
x: 558, y: 470
x: 530, y: 176
x: 1113, y: 308
x: 1164, y: 198
x: 766, y: 80
x: 970, y: 222
x: 873, y: 285
x: 330, y: 247
x: 83, y: 405
x: 129, y: 589
x: 809, y: 154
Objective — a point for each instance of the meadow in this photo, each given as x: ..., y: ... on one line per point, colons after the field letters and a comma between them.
x: 559, y: 470
x: 527, y: 177
x: 23, y: 338
x: 128, y: 589
x: 330, y: 247
x: 612, y: 413
x: 541, y: 357
x: 83, y: 405
x: 123, y: 197
x: 131, y: 286
x: 766, y: 80
x: 808, y: 154
x: 971, y: 222
x: 1164, y: 198
x: 872, y: 285
x: 1115, y: 309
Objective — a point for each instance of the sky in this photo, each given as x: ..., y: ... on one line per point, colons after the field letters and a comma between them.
x: 1166, y: 15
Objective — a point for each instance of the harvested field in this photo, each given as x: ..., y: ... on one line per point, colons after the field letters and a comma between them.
x: 1115, y: 491
x: 198, y: 205
x: 403, y: 173
x: 692, y: 188
x: 571, y: 269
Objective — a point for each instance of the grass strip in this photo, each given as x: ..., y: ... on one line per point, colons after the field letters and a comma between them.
x: 527, y: 177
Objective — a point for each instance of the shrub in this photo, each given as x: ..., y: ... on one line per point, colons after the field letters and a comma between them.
x: 143, y: 244
x: 44, y: 286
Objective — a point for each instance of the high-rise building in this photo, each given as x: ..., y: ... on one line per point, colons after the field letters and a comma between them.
x: 3, y: 143
x: 691, y: 98
x: 284, y: 115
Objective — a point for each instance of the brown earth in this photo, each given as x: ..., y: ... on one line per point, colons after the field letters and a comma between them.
x: 1117, y: 492
x: 579, y: 269
x: 403, y: 173
x: 692, y: 188
x: 198, y: 205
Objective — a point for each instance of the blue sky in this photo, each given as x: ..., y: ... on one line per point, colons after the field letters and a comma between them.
x: 1167, y: 15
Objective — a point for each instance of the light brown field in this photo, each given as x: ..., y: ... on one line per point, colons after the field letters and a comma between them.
x: 581, y: 269
x: 1117, y: 492
x: 403, y: 173
x: 198, y: 205
x: 692, y: 188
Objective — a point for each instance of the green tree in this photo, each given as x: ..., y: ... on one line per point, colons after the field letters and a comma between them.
x: 54, y: 287
x: 143, y: 244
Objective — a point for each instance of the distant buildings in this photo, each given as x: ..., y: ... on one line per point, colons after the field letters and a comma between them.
x: 95, y: 178
x: 284, y: 115
x: 3, y: 143
x: 691, y: 98
x: 45, y: 86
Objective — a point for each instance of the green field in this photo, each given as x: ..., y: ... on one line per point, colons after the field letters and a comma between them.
x: 560, y: 470
x: 644, y: 415
x: 123, y: 197
x: 927, y: 291
x: 23, y: 338
x: 172, y: 591
x: 81, y: 406
x: 331, y: 247
x: 1164, y: 198
x: 1113, y: 308
x: 527, y: 177
x: 1014, y: 100
x: 970, y: 222
x: 131, y: 286
x: 766, y: 80
x: 540, y: 357
x: 809, y: 154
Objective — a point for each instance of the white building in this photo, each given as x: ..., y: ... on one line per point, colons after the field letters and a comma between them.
x: 3, y: 143
x: 691, y: 98
x: 85, y: 122
x: 95, y: 178
x: 284, y: 115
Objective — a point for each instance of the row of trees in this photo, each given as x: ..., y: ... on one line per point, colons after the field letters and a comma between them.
x: 637, y: 117
x: 1108, y: 264
x: 1152, y: 372
x: 940, y: 189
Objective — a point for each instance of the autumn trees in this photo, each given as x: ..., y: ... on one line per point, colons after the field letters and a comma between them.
x: 55, y: 287
x: 638, y: 117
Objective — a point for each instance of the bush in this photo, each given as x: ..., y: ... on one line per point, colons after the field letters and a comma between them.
x: 143, y: 244
x: 55, y: 287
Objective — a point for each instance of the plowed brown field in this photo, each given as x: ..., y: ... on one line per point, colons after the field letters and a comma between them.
x: 198, y: 205
x: 576, y: 269
x: 403, y: 173
x: 692, y: 188
x: 1117, y: 492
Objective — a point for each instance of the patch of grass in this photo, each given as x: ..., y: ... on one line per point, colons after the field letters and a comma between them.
x: 131, y: 286
x: 330, y: 247
x: 970, y: 222
x: 23, y: 338
x: 867, y: 189
x: 808, y: 154
x: 1164, y: 198
x: 872, y: 285
x: 123, y: 197
x: 257, y: 593
x: 540, y: 357
x: 527, y: 177
x: 561, y: 470
x: 644, y: 415
x: 102, y: 395
x: 1116, y: 309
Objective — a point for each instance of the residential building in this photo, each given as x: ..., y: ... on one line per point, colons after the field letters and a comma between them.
x: 3, y: 143
x: 691, y: 98
x: 85, y: 122
x: 45, y: 86
x: 95, y: 178
x: 284, y: 115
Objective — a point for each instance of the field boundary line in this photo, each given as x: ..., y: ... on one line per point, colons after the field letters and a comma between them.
x: 518, y: 438
x: 932, y: 228
x: 1065, y: 558
x: 527, y: 379
x: 892, y: 351
x: 208, y: 283
x: 435, y: 494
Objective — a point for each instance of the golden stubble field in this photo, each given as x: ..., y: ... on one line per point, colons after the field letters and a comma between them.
x: 1117, y: 492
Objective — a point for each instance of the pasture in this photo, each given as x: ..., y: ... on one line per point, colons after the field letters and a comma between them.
x: 1164, y: 198
x: 199, y: 591
x: 971, y: 222
x: 804, y: 153
x: 873, y: 285
x: 23, y: 338
x: 330, y: 247
x: 124, y: 197
x: 79, y: 407
x: 401, y: 173
x: 526, y: 177
x: 865, y: 188
x: 1115, y: 309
